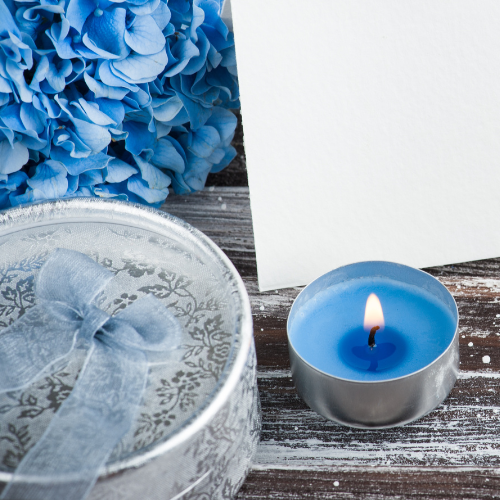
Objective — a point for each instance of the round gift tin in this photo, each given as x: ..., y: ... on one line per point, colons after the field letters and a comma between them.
x: 199, y: 423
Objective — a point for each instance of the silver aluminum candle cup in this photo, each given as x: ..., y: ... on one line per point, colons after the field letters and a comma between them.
x: 376, y: 404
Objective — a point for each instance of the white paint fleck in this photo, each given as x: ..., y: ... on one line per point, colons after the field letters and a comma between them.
x: 262, y: 308
x: 498, y: 315
x: 470, y: 344
x: 211, y: 188
x: 471, y: 355
x: 463, y: 336
x: 336, y: 483
x: 486, y: 479
x: 496, y: 410
x: 296, y: 428
x: 486, y: 359
x: 262, y: 329
x: 219, y: 198
x: 223, y: 206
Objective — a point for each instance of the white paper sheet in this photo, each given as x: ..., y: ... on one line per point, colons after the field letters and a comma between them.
x: 372, y: 132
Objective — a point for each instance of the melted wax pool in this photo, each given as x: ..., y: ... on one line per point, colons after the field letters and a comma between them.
x: 327, y: 330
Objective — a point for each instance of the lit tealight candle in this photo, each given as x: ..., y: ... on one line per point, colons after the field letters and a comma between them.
x: 374, y: 344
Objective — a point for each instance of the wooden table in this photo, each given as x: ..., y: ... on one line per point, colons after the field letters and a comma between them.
x: 454, y: 452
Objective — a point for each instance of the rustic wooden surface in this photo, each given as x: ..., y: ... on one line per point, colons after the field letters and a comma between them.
x: 454, y: 452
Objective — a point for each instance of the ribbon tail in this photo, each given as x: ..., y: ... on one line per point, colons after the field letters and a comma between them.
x: 32, y: 344
x: 66, y: 461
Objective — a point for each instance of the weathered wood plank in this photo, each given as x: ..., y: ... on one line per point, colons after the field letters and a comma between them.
x: 224, y: 215
x: 371, y: 484
x: 463, y: 431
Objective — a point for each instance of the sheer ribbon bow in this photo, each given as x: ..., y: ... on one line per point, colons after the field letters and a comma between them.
x: 65, y: 463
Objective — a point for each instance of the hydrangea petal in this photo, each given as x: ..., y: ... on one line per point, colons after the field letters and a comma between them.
x: 101, y: 90
x: 145, y: 7
x: 139, y: 138
x: 229, y: 155
x: 155, y: 178
x: 196, y: 172
x: 204, y: 141
x: 49, y: 181
x: 118, y: 171
x: 90, y: 178
x: 7, y: 23
x: 169, y: 110
x: 144, y: 36
x: 166, y: 156
x: 76, y: 166
x: 141, y: 188
x: 162, y: 15
x: 78, y: 11
x: 224, y: 121
x: 94, y: 136
x: 12, y: 158
x: 106, y: 32
x: 137, y: 68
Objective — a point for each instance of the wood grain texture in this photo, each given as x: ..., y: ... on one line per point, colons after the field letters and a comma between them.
x: 454, y: 452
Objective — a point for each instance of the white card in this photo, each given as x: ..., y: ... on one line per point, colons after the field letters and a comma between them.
x: 372, y: 132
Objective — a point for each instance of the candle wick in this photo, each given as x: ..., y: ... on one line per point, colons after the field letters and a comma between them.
x: 371, y: 338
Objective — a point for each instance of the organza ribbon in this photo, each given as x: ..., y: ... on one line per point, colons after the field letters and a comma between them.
x: 65, y: 463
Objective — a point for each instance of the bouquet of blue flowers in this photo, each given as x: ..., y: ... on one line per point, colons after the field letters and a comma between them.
x: 113, y: 98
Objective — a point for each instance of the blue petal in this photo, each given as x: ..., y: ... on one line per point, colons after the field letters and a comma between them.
x: 118, y: 171
x: 166, y: 156
x: 76, y: 166
x: 90, y: 178
x: 101, y: 90
x: 139, y: 138
x: 49, y: 181
x: 106, y: 32
x: 72, y: 184
x: 182, y: 52
x: 32, y: 119
x: 162, y: 15
x: 229, y: 154
x: 111, y: 191
x: 196, y: 172
x: 141, y: 188
x: 144, y: 8
x: 204, y: 141
x: 224, y: 121
x: 94, y: 136
x: 70, y: 141
x: 12, y: 158
x: 112, y: 108
x: 140, y: 69
x: 144, y: 36
x: 78, y: 12
x: 7, y: 22
x: 90, y: 111
x: 196, y: 63
x: 198, y: 115
x: 154, y: 177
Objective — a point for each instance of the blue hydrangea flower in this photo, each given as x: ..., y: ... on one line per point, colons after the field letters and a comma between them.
x: 113, y: 98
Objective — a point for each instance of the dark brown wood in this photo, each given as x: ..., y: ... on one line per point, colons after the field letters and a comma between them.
x: 379, y: 484
x: 454, y: 452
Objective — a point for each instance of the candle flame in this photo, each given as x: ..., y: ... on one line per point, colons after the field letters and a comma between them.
x: 374, y: 316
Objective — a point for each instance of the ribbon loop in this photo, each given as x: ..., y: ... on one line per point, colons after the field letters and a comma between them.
x: 72, y: 278
x: 65, y: 462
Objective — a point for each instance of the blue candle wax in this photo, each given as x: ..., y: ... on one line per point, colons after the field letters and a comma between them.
x: 327, y: 330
